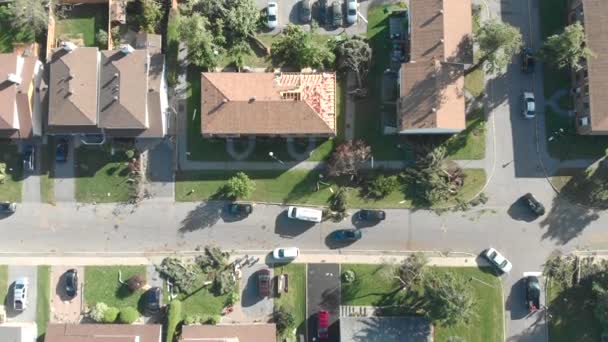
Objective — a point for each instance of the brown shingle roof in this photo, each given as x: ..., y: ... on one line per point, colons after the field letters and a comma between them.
x: 229, y: 332
x: 102, y: 333
x: 8, y: 92
x: 266, y: 103
x: 596, y: 30
x: 16, y: 105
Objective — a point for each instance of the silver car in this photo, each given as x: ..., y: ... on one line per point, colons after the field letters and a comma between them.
x: 272, y: 12
x: 351, y: 11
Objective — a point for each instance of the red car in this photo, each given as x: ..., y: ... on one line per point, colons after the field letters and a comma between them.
x: 264, y: 283
x: 323, y: 330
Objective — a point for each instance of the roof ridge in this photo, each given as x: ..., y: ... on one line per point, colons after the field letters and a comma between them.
x: 69, y: 99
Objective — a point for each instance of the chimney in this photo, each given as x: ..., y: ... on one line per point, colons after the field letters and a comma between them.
x: 14, y: 78
x: 71, y: 75
x: 68, y: 46
x: 126, y: 49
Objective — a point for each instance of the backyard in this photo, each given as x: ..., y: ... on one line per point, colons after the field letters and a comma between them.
x: 571, y: 321
x: 10, y: 190
x: 101, y: 284
x: 369, y: 289
x: 82, y: 22
x: 295, y: 300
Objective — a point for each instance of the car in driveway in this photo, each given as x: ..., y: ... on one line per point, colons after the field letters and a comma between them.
x: 323, y: 324
x: 20, y: 294
x: 71, y: 282
x: 322, y: 11
x: 370, y: 215
x: 532, y: 289
x: 8, y: 207
x: 61, y: 151
x: 152, y: 300
x: 336, y: 14
x: 285, y: 253
x: 272, y: 18
x: 528, y: 61
x: 305, y: 11
x: 528, y: 106
x: 533, y: 204
x: 264, y: 283
x: 351, y: 11
x: 239, y: 209
x: 498, y: 260
x: 347, y: 235
x: 28, y: 158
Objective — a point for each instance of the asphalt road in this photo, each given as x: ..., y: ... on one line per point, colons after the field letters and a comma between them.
x: 323, y: 293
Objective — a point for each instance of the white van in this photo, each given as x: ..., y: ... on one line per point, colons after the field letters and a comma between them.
x: 305, y: 214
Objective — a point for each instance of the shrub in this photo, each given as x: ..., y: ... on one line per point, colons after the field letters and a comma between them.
x: 98, y: 311
x: 194, y: 319
x: 174, y: 317
x: 213, y: 319
x: 233, y: 298
x: 128, y: 315
x: 102, y: 38
x: 130, y: 154
x: 348, y: 276
x: 283, y: 317
x: 382, y: 186
x: 339, y: 200
x: 136, y: 282
x: 110, y: 315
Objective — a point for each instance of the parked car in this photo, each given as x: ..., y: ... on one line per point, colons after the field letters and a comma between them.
x: 323, y: 324
x: 61, y: 152
x: 305, y: 214
x: 71, y: 282
x: 20, y: 294
x: 532, y: 288
x: 8, y: 207
x: 285, y: 253
x: 305, y: 11
x: 498, y: 260
x: 527, y: 61
x: 370, y: 215
x: 336, y: 14
x: 264, y: 283
x: 28, y: 158
x: 152, y: 300
x: 322, y: 16
x: 533, y: 204
x: 351, y: 11
x: 528, y: 105
x: 347, y: 235
x: 239, y: 209
x: 272, y: 15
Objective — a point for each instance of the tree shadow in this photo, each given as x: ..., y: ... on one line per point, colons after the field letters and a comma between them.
x: 290, y: 228
x: 565, y: 221
x: 123, y: 291
x: 205, y: 215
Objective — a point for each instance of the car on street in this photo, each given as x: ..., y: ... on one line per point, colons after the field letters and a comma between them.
x: 239, y: 209
x: 336, y: 14
x: 322, y: 11
x: 61, y: 151
x: 305, y: 11
x: 351, y: 11
x: 285, y: 253
x: 370, y: 215
x: 347, y: 235
x: 527, y: 61
x: 532, y: 288
x: 305, y: 214
x: 264, y: 283
x: 152, y: 300
x: 28, y: 158
x: 8, y: 207
x: 498, y: 260
x: 71, y: 282
x: 528, y: 106
x: 20, y: 291
x: 533, y: 204
x: 323, y: 324
x: 272, y: 15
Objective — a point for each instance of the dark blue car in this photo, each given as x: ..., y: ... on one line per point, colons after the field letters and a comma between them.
x: 347, y: 235
x: 61, y: 152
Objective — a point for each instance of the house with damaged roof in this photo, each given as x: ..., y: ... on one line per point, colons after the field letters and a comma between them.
x: 119, y: 93
x: 431, y: 85
x: 268, y: 104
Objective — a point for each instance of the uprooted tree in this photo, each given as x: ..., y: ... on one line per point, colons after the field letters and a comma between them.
x: 349, y: 158
x: 182, y: 275
x: 410, y: 273
x: 355, y: 54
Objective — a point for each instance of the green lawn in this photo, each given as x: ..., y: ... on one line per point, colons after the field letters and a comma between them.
x: 570, y: 320
x: 474, y: 82
x: 3, y: 283
x: 101, y: 285
x: 299, y: 187
x: 101, y: 177
x: 43, y: 310
x: 10, y: 190
x: 570, y: 145
x: 369, y: 288
x: 471, y: 143
x: 172, y: 46
x: 83, y: 21
x: 202, y: 302
x: 296, y: 298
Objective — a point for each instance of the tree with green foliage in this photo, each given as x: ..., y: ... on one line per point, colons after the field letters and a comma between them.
x: 128, y: 315
x: 236, y: 20
x: 382, y: 186
x: 498, y: 43
x: 284, y: 319
x: 29, y: 15
x: 450, y: 299
x: 567, y: 49
x: 201, y: 48
x: 110, y: 315
x: 150, y: 15
x: 297, y: 48
x: 240, y: 186
x: 174, y: 317
x: 339, y: 200
x: 410, y: 272
x: 102, y: 39
x: 238, y: 53
x: 354, y: 54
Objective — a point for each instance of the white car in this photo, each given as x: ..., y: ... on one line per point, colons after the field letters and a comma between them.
x: 285, y: 253
x: 528, y: 105
x: 351, y: 11
x: 20, y: 294
x: 498, y: 260
x: 272, y: 12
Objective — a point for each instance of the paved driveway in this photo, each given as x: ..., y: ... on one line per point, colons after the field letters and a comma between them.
x: 29, y: 314
x: 64, y: 174
x: 65, y: 309
x: 323, y: 293
x: 252, y: 307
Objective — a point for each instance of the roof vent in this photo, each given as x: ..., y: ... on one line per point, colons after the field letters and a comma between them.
x: 14, y: 78
x: 68, y: 46
x: 225, y: 100
x: 434, y: 110
x: 252, y: 99
x: 71, y: 75
x: 440, y: 11
x: 115, y: 98
x: 441, y: 41
x: 126, y: 49
x: 116, y: 75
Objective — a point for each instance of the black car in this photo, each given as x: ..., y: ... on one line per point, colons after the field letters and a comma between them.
x: 322, y: 18
x: 61, y: 152
x: 533, y: 204
x: 7, y: 207
x: 370, y: 215
x: 347, y: 235
x: 532, y: 286
x: 336, y: 14
x: 305, y: 11
x: 527, y: 61
x: 152, y: 300
x: 239, y: 209
x: 71, y: 282
x: 28, y: 158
